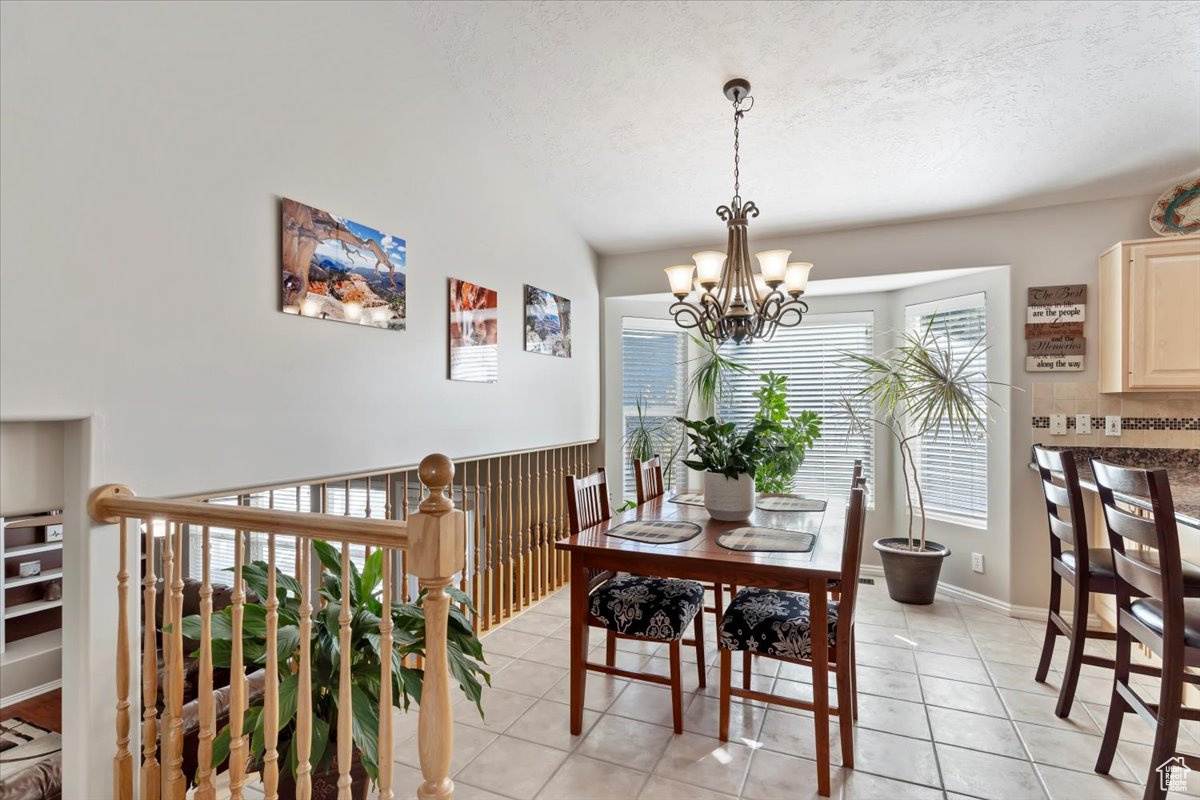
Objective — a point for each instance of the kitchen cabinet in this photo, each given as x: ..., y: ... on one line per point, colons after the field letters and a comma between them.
x: 1150, y: 316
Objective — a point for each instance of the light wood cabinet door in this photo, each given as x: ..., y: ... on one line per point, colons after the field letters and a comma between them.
x: 1164, y: 315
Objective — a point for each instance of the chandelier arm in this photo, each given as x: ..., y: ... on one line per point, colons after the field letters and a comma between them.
x: 792, y: 313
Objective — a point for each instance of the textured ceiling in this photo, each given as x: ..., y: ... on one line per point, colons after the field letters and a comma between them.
x: 864, y: 112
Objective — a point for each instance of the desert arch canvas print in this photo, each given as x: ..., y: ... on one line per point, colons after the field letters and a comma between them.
x: 338, y: 269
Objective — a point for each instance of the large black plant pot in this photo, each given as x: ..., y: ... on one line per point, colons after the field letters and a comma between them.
x: 912, y: 575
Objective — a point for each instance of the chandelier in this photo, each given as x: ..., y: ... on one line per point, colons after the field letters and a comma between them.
x: 733, y: 301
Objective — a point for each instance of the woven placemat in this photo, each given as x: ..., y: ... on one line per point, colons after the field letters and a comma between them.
x: 655, y: 531
x: 789, y: 502
x: 775, y: 540
x: 689, y: 498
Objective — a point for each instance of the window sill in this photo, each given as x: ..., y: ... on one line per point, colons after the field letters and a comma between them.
x: 956, y: 519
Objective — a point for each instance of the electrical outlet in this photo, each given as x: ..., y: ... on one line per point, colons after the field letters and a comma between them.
x: 1083, y: 423
x: 1058, y: 424
x: 1112, y: 426
x: 977, y: 562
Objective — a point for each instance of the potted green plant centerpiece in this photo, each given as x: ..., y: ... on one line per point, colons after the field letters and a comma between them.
x: 793, y: 435
x: 923, y: 386
x: 729, y: 459
x: 465, y: 656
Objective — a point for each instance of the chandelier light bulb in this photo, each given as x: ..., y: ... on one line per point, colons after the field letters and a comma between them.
x: 708, y: 267
x: 680, y: 278
x: 796, y: 277
x: 773, y: 264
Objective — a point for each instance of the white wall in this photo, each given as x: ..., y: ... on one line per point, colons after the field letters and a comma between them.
x: 145, y: 148
x: 31, y: 467
x: 1042, y: 246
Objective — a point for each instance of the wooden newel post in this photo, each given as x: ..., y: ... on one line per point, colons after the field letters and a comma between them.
x: 437, y: 551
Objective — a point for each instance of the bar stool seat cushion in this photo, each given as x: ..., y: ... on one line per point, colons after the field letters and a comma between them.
x: 1100, y: 563
x: 652, y: 608
x: 1150, y: 613
x: 773, y: 621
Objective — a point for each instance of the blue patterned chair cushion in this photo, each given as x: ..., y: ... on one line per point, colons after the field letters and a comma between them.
x: 772, y: 621
x: 656, y: 608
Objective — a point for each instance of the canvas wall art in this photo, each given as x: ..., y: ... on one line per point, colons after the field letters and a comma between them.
x: 547, y: 323
x: 338, y: 269
x: 474, y: 319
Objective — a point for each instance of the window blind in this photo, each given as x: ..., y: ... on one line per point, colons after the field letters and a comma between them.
x: 221, y: 539
x: 654, y: 370
x: 953, y: 464
x: 818, y: 376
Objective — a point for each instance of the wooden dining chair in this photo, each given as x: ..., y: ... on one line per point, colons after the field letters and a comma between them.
x: 1085, y: 569
x: 777, y: 624
x: 1158, y: 605
x: 635, y: 606
x: 648, y: 478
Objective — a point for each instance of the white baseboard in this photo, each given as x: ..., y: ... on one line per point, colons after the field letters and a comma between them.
x: 28, y: 693
x: 1008, y: 609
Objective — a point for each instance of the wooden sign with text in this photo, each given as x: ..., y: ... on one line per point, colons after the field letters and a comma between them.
x: 1073, y: 294
x: 1054, y: 317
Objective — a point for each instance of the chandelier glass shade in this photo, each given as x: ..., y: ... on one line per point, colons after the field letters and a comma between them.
x: 732, y: 301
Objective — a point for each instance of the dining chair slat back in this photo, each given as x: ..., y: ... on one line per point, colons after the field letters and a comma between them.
x: 1160, y: 578
x: 587, y: 506
x: 1160, y: 621
x: 852, y: 547
x: 1064, y: 503
x: 648, y: 475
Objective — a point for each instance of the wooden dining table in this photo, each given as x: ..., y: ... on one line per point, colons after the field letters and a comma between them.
x: 702, y: 559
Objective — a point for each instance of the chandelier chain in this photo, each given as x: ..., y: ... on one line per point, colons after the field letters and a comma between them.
x: 737, y: 158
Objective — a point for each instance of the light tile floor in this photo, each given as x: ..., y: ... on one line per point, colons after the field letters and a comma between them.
x: 948, y: 709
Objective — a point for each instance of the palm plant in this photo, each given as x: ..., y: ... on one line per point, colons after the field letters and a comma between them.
x: 711, y: 377
x: 649, y: 436
x: 921, y: 387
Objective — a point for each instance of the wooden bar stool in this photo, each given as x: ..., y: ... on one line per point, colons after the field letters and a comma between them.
x: 776, y: 624
x: 1088, y: 570
x: 633, y: 606
x: 1158, y: 606
x: 648, y: 477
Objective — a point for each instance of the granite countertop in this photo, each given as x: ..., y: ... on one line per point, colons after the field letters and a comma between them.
x: 1182, y: 466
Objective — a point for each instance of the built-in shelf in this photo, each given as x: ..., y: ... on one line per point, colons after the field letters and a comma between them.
x: 34, y: 522
x: 30, y: 549
x: 32, y: 646
x: 30, y: 608
x: 41, y: 577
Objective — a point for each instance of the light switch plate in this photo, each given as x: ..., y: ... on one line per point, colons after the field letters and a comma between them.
x: 1058, y: 424
x: 977, y: 562
x: 1083, y: 423
x: 1112, y: 426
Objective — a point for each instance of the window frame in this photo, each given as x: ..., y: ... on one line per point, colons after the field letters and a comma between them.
x: 912, y: 322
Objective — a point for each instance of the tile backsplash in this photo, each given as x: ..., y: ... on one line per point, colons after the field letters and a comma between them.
x: 1148, y: 419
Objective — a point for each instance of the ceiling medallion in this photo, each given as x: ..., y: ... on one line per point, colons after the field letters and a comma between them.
x: 734, y: 301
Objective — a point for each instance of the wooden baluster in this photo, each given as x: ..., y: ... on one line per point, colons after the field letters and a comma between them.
x: 346, y: 489
x: 174, y: 785
x: 150, y: 769
x: 208, y: 714
x: 477, y: 578
x: 543, y: 512
x: 123, y: 760
x: 535, y: 530
x: 523, y: 528
x: 404, y: 553
x: 237, y: 675
x: 386, y: 712
x: 303, y: 741
x: 509, y: 561
x: 437, y: 536
x: 345, y: 744
x: 271, y: 692
x: 488, y: 564
x: 463, y: 585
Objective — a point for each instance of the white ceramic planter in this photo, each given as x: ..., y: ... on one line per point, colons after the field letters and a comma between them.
x: 729, y: 499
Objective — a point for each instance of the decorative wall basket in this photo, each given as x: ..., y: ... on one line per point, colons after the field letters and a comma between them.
x: 1177, y: 211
